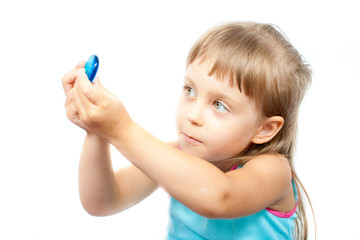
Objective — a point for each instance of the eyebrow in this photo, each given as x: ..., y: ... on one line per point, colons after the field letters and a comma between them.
x: 188, y: 78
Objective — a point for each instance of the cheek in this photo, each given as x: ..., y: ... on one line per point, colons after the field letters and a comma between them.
x: 229, y: 141
x: 179, y: 115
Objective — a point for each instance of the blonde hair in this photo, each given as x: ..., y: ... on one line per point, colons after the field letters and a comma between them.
x: 260, y: 60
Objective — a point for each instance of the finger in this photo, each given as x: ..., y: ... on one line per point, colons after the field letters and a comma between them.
x: 87, y: 92
x: 100, y: 89
x: 72, y: 113
x: 96, y: 80
x: 81, y: 64
x: 97, y: 83
x: 79, y: 103
x: 69, y: 100
x: 70, y: 77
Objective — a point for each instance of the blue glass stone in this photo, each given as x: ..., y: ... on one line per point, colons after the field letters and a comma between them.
x: 91, y: 67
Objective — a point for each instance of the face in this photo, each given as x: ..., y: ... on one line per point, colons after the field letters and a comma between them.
x: 214, y: 121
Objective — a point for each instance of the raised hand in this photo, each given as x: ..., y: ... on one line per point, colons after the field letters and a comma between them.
x: 92, y: 107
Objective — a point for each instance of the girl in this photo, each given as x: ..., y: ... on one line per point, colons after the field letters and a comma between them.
x: 230, y: 174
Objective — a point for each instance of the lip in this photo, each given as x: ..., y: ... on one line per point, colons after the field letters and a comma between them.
x: 191, y: 140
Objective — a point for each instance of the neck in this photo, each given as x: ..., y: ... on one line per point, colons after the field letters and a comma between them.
x: 225, y: 165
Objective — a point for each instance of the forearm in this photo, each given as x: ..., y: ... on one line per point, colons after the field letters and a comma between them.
x: 191, y: 180
x: 97, y: 184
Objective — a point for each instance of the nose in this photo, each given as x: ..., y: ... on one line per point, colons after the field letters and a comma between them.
x: 195, y: 114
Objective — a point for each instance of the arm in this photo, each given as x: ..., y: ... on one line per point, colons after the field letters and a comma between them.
x: 191, y: 180
x: 200, y: 185
x: 103, y: 191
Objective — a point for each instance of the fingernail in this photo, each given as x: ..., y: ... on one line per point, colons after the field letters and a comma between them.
x: 81, y: 63
x: 81, y: 71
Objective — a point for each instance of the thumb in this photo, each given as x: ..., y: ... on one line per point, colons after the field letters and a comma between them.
x: 96, y: 81
x: 98, y: 84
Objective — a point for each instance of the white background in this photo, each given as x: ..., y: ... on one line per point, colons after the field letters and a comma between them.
x: 142, y: 46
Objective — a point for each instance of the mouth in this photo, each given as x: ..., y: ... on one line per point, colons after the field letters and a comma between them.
x: 191, y: 140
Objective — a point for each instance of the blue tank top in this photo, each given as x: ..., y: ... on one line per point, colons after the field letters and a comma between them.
x: 267, y: 224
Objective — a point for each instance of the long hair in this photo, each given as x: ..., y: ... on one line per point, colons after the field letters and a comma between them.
x: 260, y: 60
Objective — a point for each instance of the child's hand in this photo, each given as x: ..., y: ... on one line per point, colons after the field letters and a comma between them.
x: 92, y: 107
x: 68, y: 82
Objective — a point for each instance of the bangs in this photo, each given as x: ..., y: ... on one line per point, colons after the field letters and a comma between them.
x: 220, y: 48
x: 232, y: 56
x: 220, y: 68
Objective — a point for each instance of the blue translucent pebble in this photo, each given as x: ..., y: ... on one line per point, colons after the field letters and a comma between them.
x: 91, y: 67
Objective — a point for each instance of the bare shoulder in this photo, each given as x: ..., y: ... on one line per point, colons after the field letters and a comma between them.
x: 273, y: 170
x: 264, y: 181
x: 276, y: 171
x: 270, y: 165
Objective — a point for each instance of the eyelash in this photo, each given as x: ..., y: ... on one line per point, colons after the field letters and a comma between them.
x: 217, y: 102
x: 187, y: 90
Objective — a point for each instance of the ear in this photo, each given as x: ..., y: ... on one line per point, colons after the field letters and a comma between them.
x: 268, y: 129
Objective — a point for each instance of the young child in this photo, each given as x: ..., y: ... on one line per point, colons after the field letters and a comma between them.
x: 230, y: 174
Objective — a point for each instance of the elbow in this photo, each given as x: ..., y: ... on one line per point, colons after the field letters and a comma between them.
x: 216, y: 211
x: 95, y: 212
x: 97, y: 205
x: 217, y: 208
x: 95, y: 209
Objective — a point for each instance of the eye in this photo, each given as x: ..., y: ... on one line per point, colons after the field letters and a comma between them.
x: 190, y: 92
x: 219, y: 106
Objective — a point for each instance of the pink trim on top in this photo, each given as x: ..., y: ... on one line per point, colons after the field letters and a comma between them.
x: 234, y: 167
x: 281, y: 214
x: 275, y: 212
